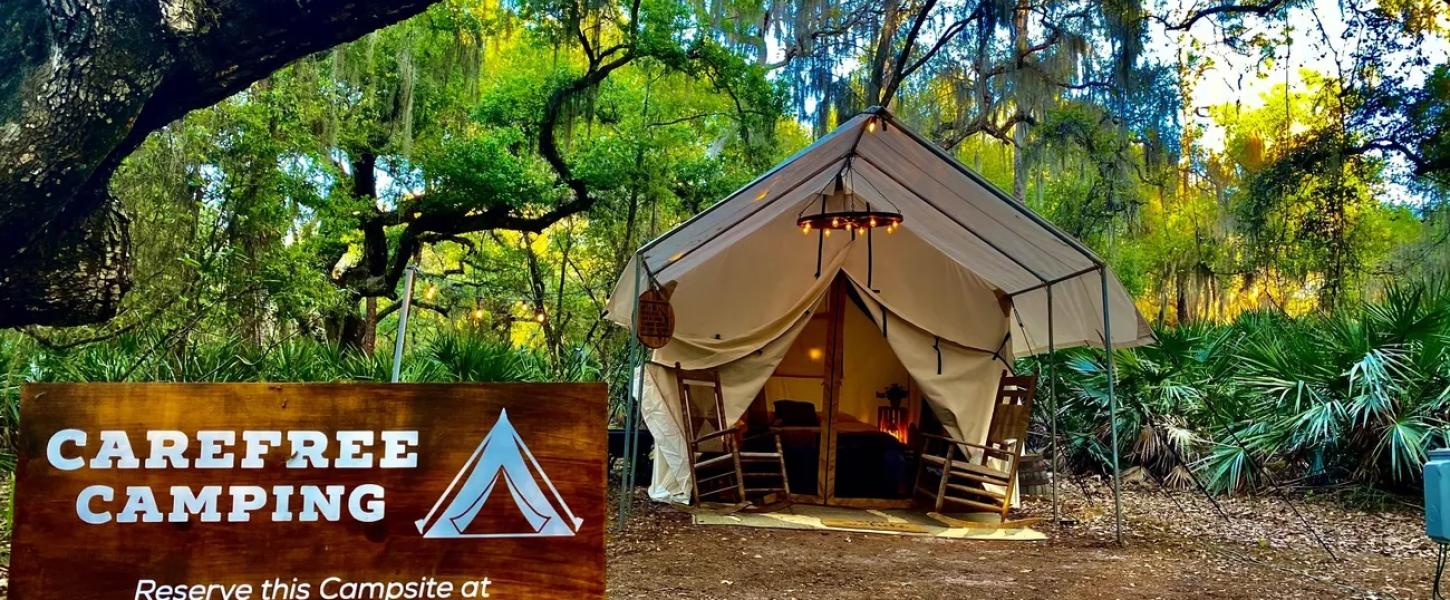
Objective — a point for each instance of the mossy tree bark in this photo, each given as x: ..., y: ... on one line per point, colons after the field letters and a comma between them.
x: 85, y: 81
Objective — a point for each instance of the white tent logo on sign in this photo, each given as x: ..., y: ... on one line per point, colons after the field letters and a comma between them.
x: 497, y: 494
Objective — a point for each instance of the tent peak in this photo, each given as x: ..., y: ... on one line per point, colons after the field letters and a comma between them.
x: 992, y: 188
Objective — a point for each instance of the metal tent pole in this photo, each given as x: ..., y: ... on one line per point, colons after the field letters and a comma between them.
x: 631, y: 401
x: 1052, y: 404
x: 631, y: 440
x: 631, y: 437
x: 403, y: 323
x: 1112, y: 408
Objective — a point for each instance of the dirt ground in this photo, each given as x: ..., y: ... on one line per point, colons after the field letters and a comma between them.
x: 1177, y: 546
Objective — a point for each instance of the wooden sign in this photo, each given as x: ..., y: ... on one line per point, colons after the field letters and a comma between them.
x: 656, y: 316
x: 304, y: 492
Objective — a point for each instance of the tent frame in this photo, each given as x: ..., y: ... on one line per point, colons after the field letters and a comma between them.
x: 887, y: 119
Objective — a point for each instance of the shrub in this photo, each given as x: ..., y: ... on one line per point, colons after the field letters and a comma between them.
x: 1358, y: 395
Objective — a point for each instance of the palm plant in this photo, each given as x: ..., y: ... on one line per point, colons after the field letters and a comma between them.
x: 1359, y: 394
x: 14, y: 353
x: 299, y: 359
x: 467, y: 358
x: 1160, y: 391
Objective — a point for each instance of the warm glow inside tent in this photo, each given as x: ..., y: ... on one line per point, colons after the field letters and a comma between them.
x: 940, y: 306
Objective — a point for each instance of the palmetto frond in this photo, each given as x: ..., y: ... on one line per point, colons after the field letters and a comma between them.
x: 1361, y: 393
x: 1404, y: 443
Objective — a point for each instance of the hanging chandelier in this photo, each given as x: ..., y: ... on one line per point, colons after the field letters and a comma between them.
x: 838, y: 207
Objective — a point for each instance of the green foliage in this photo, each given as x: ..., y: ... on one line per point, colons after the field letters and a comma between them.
x: 1084, y: 134
x: 483, y: 171
x: 1357, y: 395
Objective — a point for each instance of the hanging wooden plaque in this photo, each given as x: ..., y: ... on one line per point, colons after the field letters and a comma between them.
x: 656, y: 316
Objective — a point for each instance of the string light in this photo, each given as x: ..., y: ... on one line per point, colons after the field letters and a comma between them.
x: 838, y: 207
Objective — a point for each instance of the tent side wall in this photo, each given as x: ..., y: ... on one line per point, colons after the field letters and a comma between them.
x: 741, y: 380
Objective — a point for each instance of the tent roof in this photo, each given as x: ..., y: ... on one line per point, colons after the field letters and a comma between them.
x: 946, y: 204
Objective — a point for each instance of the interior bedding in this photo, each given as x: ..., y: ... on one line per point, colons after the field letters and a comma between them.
x: 869, y: 463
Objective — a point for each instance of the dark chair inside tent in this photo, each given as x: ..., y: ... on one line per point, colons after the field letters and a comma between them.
x: 981, y: 476
x: 724, y: 463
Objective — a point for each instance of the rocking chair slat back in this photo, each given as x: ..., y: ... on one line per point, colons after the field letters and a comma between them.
x: 726, y: 476
x: 981, y: 476
x: 718, y: 466
x: 691, y: 383
x: 1013, y: 410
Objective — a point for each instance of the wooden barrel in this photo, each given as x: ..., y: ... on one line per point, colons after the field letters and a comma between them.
x: 1033, y: 477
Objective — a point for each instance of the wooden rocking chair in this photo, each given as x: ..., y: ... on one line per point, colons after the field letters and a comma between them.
x: 719, y: 465
x: 968, y: 471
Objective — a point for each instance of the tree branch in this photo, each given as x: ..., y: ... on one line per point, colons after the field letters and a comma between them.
x: 379, y: 275
x: 898, y: 70
x: 1225, y: 9
x: 1422, y: 165
x: 950, y: 32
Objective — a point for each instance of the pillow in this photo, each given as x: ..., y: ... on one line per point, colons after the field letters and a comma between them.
x: 795, y: 413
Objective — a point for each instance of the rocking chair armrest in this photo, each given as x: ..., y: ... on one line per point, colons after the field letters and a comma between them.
x: 716, y: 434
x: 761, y: 434
x: 1008, y: 454
x: 928, y: 438
x: 778, y: 429
x: 1012, y: 454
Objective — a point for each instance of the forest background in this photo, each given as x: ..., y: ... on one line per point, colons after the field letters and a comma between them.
x: 1269, y: 180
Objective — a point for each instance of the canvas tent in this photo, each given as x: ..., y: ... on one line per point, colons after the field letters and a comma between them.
x: 964, y: 285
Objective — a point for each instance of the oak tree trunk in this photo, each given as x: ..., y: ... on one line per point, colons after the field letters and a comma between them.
x: 369, y: 339
x: 84, y: 82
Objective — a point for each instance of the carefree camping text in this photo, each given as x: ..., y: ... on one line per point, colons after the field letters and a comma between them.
x: 261, y: 491
x: 76, y: 449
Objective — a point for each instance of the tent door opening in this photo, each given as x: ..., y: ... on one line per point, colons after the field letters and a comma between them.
x: 847, y: 411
